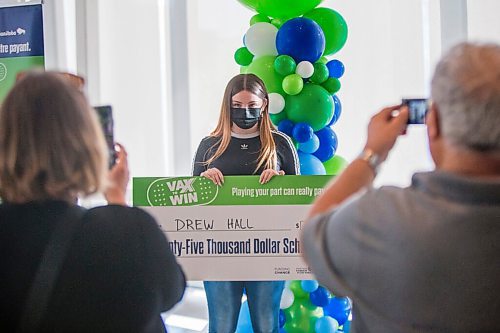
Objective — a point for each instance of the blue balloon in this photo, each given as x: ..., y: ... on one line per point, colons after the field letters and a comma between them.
x: 244, y: 321
x: 282, y: 318
x: 328, y: 144
x: 310, y: 165
x: 282, y: 330
x: 309, y: 285
x: 302, y: 132
x: 339, y: 309
x: 337, y: 111
x: 346, y: 328
x: 326, y: 325
x: 336, y: 68
x: 320, y: 297
x: 302, y: 39
x: 286, y: 126
x: 310, y: 146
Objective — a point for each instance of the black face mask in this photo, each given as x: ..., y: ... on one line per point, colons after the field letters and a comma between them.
x: 245, y: 118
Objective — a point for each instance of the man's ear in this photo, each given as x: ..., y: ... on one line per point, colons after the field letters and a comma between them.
x: 433, y: 124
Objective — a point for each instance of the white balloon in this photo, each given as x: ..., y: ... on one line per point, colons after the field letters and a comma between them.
x: 260, y: 39
x: 276, y: 103
x: 287, y: 299
x: 305, y: 69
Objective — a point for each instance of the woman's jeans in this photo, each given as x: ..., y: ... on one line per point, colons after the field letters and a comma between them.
x: 224, y: 302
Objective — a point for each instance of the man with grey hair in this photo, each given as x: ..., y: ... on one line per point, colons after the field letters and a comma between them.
x: 424, y: 258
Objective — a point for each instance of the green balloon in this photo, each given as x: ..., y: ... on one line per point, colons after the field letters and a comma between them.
x: 302, y: 316
x: 243, y: 57
x: 334, y: 27
x: 320, y: 73
x: 293, y: 84
x: 298, y: 292
x: 323, y: 60
x: 263, y: 67
x: 332, y: 85
x: 278, y: 22
x: 259, y: 18
x: 277, y: 117
x: 285, y: 65
x: 335, y: 165
x: 281, y: 8
x: 314, y: 106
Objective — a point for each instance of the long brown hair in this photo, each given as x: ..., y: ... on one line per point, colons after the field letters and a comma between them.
x: 51, y: 144
x: 251, y: 83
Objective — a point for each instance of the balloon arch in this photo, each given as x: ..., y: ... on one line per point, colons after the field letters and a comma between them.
x: 287, y: 46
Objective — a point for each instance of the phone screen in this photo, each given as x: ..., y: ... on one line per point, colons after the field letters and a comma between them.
x: 105, y: 114
x: 418, y: 108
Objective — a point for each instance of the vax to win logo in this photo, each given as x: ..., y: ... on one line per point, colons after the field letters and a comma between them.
x: 193, y: 191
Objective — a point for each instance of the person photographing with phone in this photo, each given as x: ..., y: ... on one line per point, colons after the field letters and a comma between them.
x: 417, y: 259
x: 65, y: 268
x: 244, y: 143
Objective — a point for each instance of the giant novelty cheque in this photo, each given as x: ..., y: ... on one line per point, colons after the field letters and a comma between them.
x: 241, y: 230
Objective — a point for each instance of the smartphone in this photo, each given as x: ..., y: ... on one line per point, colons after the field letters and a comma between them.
x: 418, y: 108
x: 105, y: 114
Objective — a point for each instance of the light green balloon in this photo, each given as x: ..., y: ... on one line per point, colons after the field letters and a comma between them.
x: 335, y: 165
x: 293, y: 84
x: 301, y: 316
x: 263, y: 67
x: 281, y: 8
x: 332, y: 85
x: 296, y: 288
x: 314, y: 106
x: 285, y: 65
x: 278, y: 22
x: 259, y: 18
x: 323, y: 60
x: 334, y: 27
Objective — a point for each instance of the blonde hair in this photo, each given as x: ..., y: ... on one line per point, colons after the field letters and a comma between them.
x: 51, y: 144
x: 251, y: 83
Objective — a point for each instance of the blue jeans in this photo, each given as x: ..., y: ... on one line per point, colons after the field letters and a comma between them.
x: 224, y: 302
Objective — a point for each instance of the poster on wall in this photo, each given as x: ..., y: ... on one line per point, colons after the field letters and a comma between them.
x: 241, y: 230
x: 21, y: 43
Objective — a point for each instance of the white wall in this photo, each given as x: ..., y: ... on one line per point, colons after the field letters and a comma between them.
x: 484, y: 21
x: 132, y: 68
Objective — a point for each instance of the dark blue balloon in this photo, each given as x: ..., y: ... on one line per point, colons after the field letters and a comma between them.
x: 310, y: 165
x: 302, y: 39
x: 282, y: 318
x: 286, y: 126
x: 320, y: 297
x: 328, y: 144
x: 302, y: 132
x: 337, y: 111
x: 339, y: 309
x: 336, y: 68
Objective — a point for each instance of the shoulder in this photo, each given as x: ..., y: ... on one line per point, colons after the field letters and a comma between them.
x: 282, y: 140
x: 209, y: 141
x: 119, y: 219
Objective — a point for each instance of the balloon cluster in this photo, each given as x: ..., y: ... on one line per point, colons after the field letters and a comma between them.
x: 287, y: 46
x: 306, y: 307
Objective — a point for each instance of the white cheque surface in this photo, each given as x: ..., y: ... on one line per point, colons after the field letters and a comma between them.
x: 236, y: 243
